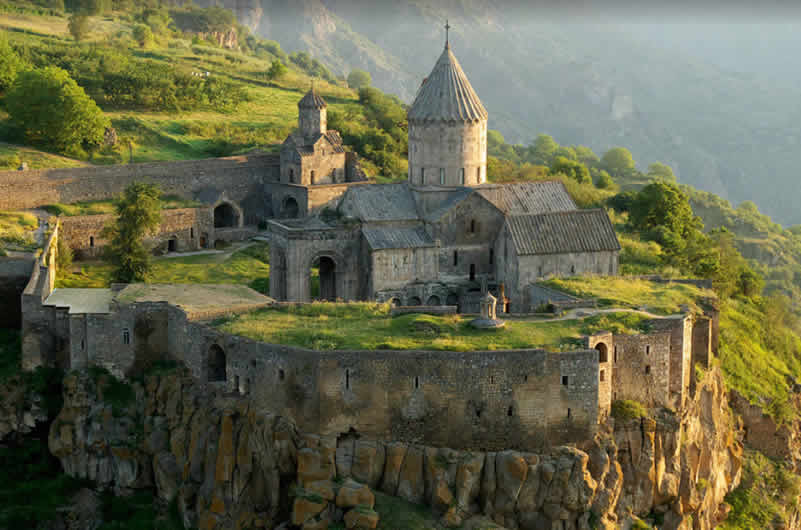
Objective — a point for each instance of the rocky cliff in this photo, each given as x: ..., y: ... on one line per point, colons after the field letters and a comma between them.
x: 230, y: 466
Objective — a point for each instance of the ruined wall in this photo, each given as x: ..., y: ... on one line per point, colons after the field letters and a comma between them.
x: 191, y: 228
x: 641, y: 368
x: 39, y: 341
x: 240, y: 177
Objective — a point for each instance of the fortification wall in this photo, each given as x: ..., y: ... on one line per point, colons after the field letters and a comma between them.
x: 514, y: 399
x: 642, y: 368
x: 39, y: 324
x: 240, y: 177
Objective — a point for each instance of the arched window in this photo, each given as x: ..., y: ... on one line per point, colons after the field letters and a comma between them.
x: 291, y: 175
x: 461, y: 176
x: 91, y: 241
x: 472, y: 271
x: 492, y: 256
x: 455, y: 258
x: 603, y: 352
x: 313, y: 176
x: 422, y: 175
x: 442, y: 176
x: 472, y: 226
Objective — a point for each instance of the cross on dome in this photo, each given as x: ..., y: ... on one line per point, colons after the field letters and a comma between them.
x: 447, y: 29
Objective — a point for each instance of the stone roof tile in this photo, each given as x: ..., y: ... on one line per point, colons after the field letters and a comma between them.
x: 312, y: 101
x: 386, y: 237
x: 562, y: 232
x: 446, y: 94
x: 529, y: 197
x: 380, y: 202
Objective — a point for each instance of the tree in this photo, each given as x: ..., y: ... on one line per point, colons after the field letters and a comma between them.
x: 50, y: 109
x: 79, y: 26
x: 359, y: 79
x: 138, y: 215
x: 662, y: 205
x: 604, y: 180
x: 543, y: 149
x: 10, y: 64
x: 143, y: 35
x: 277, y: 70
x: 571, y: 168
x: 618, y: 161
x: 658, y: 170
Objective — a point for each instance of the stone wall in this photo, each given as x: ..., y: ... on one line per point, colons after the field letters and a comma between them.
x: 240, y: 177
x: 525, y: 398
x: 642, y: 368
x: 190, y: 228
x: 396, y: 268
x: 40, y: 325
x: 14, y: 275
x: 453, y: 148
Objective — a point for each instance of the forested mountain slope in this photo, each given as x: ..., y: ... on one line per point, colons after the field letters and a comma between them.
x: 723, y: 116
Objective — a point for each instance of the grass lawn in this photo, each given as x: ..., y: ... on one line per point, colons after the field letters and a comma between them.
x: 12, y: 155
x: 249, y: 266
x: 663, y: 299
x: 367, y: 326
x: 17, y: 230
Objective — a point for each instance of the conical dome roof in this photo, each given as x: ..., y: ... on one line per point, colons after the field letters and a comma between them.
x: 446, y: 95
x: 312, y: 101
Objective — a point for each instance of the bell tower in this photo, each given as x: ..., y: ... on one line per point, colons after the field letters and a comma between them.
x: 312, y: 115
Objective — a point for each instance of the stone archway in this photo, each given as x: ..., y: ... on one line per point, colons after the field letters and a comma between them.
x: 414, y: 301
x: 290, y: 208
x: 603, y: 352
x: 226, y: 216
x: 327, y: 274
x: 433, y: 300
x: 216, y: 364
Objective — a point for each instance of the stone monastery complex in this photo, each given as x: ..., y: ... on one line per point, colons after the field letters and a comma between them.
x: 428, y: 241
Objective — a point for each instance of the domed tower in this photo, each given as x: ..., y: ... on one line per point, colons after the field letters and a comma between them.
x: 447, y: 129
x: 312, y: 115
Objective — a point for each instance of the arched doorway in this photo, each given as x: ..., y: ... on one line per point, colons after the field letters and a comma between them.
x: 215, y: 364
x: 172, y: 245
x: 395, y: 302
x: 413, y: 301
x: 290, y: 208
x: 603, y: 352
x: 225, y: 216
x: 432, y: 300
x: 325, y: 288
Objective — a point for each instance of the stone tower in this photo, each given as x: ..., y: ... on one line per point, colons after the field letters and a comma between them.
x: 447, y: 130
x: 312, y: 115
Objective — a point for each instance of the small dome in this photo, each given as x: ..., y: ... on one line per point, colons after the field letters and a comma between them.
x: 446, y: 95
x: 312, y: 101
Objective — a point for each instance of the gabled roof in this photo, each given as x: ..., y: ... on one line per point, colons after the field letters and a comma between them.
x: 379, y: 202
x: 312, y: 101
x: 446, y: 94
x: 562, y: 232
x: 306, y: 147
x: 528, y: 197
x: 388, y: 237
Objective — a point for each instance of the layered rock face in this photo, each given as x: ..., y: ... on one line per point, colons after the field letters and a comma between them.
x: 230, y: 466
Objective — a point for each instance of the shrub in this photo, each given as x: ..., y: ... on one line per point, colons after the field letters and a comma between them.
x: 628, y: 409
x: 143, y: 35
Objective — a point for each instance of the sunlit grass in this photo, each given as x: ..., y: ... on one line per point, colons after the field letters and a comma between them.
x: 249, y: 266
x: 659, y: 298
x: 369, y: 326
x: 17, y: 231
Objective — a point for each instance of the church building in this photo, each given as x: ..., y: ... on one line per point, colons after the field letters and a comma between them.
x: 430, y: 240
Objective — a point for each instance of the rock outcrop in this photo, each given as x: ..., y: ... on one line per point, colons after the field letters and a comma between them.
x: 230, y: 466
x: 20, y: 408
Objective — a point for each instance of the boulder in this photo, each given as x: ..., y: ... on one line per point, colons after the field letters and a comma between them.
x: 352, y: 494
x: 411, y: 485
x: 304, y: 509
x: 361, y: 519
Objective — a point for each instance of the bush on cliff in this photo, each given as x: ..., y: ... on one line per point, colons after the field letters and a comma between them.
x: 49, y: 108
